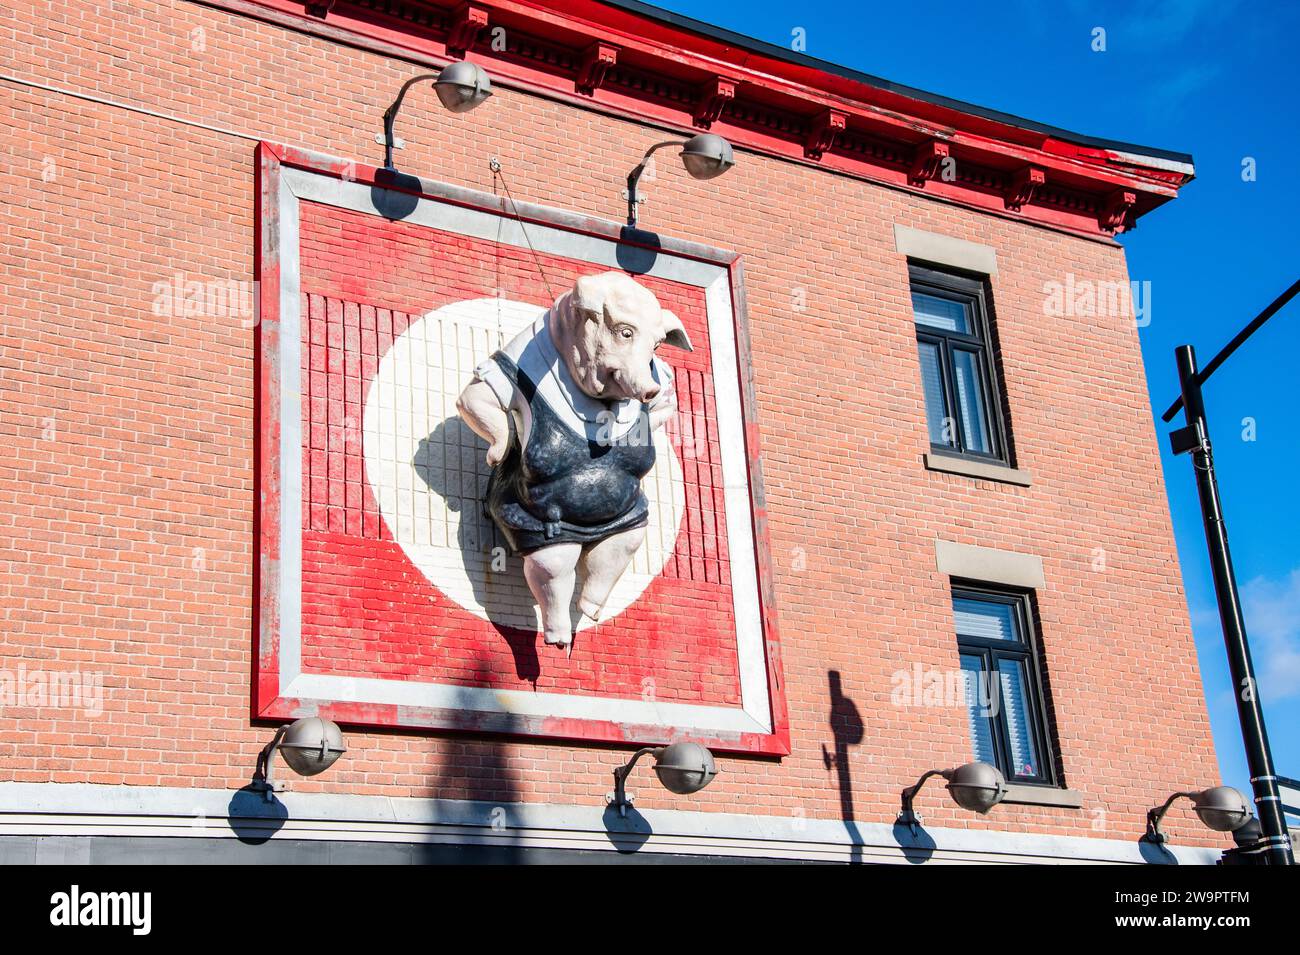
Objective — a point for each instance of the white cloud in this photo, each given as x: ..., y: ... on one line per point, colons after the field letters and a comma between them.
x: 1272, y: 610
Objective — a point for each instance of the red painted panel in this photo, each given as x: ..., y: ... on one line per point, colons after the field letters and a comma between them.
x: 367, y: 610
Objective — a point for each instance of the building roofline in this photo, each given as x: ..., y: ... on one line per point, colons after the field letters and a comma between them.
x: 762, y: 47
x: 628, y: 59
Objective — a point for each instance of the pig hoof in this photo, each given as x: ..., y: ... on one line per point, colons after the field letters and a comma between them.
x: 590, y: 609
x: 559, y: 639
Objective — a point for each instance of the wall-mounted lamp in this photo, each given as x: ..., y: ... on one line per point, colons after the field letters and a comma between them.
x: 1221, y: 808
x: 310, y: 746
x: 460, y: 87
x: 683, y: 768
x: 705, y: 156
x: 975, y: 786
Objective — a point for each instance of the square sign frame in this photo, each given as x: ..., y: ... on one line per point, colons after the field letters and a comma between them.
x: 287, y: 176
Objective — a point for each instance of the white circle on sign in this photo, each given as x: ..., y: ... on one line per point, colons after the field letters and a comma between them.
x: 428, y: 473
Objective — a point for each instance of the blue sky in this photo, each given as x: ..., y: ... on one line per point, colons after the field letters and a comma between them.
x: 1212, y: 78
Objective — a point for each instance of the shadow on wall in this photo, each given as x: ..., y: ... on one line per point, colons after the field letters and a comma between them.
x: 637, y: 250
x: 473, y: 770
x: 847, y: 730
x: 627, y: 833
x: 453, y: 436
x: 252, y: 818
x: 401, y: 197
x: 477, y: 769
x: 1155, y: 853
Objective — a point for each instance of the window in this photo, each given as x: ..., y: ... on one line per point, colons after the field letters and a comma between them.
x: 1000, y: 670
x: 963, y: 408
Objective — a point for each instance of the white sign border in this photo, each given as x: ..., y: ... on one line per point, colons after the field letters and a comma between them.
x: 754, y: 715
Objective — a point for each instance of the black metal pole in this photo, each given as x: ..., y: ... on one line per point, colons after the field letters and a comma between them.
x: 1254, y: 325
x: 1195, y: 437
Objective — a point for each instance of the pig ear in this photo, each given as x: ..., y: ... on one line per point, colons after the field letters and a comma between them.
x: 588, y: 296
x: 675, y: 332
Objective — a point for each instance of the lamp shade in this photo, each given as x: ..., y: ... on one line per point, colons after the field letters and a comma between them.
x: 1222, y: 808
x: 461, y: 86
x: 311, y: 745
x: 977, y: 786
x: 707, y: 156
x: 685, y: 768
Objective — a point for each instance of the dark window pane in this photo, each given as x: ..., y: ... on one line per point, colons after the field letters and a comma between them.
x: 985, y: 619
x: 932, y: 382
x: 941, y: 313
x: 1020, y: 736
x: 962, y: 398
x: 979, y: 688
x: 970, y: 402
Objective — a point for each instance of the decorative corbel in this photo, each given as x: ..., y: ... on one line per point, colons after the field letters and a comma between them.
x: 1024, y: 183
x: 466, y: 22
x: 1116, y: 213
x: 596, y: 61
x: 822, y: 132
x: 714, y: 96
x: 927, y: 161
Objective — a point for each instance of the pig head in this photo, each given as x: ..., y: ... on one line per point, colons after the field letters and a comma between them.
x: 607, y: 329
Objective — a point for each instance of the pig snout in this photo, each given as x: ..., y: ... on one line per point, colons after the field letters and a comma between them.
x: 646, y: 386
x: 626, y: 383
x: 641, y: 391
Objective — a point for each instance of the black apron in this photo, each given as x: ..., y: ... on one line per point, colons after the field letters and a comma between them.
x: 563, y: 487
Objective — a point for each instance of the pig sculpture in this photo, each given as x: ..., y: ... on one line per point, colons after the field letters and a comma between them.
x: 568, y: 409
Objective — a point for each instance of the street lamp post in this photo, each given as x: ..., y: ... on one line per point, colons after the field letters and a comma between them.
x: 1195, y: 438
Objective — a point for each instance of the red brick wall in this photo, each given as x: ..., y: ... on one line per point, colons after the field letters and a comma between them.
x: 127, y: 495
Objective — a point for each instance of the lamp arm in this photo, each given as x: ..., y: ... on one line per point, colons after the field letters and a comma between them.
x: 262, y: 773
x: 634, y: 177
x: 390, y: 115
x: 620, y: 801
x: 1157, y: 815
x: 909, y: 794
x: 907, y: 816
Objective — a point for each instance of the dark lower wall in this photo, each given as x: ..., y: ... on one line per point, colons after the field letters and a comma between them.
x: 160, y: 850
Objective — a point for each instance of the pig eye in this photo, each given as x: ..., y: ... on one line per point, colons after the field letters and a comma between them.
x: 626, y: 332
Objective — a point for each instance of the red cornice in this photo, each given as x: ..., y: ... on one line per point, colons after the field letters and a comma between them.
x: 633, y: 65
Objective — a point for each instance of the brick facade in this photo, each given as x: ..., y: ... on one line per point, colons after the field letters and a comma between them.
x: 128, y: 494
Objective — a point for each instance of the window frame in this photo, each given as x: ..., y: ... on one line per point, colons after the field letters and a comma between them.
x: 973, y: 292
x: 1027, y: 651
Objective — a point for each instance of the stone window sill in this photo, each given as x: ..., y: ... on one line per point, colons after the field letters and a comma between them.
x: 1021, y: 795
x: 984, y: 470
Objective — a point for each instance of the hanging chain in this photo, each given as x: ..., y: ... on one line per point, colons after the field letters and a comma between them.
x: 498, y: 173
